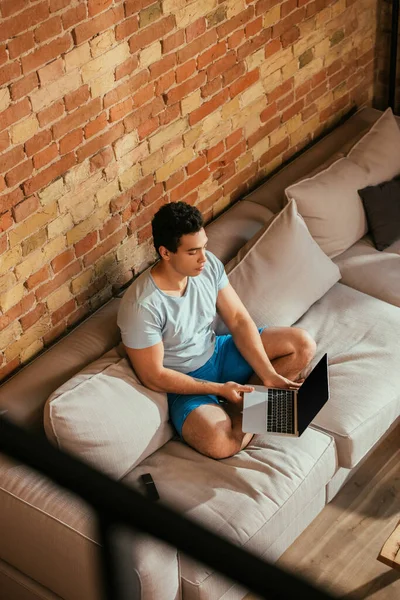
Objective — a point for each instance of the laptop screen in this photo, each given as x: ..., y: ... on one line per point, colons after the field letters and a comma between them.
x: 313, y: 394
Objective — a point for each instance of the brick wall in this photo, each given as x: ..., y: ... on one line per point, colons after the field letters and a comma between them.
x: 109, y: 109
x: 382, y: 58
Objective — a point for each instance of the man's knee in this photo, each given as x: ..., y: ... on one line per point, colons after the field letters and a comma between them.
x: 213, y: 439
x: 305, y: 345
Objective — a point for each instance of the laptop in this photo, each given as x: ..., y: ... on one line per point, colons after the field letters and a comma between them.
x: 286, y: 412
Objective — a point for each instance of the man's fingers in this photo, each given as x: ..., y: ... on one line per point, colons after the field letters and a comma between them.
x: 246, y: 388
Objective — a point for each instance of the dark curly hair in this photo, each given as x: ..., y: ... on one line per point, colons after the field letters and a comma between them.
x: 173, y: 221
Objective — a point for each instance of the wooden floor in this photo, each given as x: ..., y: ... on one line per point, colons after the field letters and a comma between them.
x: 338, y: 551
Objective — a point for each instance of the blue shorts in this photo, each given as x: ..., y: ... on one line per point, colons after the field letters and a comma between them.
x: 226, y: 364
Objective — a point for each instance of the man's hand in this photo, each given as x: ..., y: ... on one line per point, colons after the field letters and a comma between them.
x: 233, y: 392
x: 274, y: 380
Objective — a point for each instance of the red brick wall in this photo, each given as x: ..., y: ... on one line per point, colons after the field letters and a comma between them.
x: 108, y: 109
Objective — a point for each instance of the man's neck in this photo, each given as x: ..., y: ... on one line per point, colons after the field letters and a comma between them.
x: 169, y: 281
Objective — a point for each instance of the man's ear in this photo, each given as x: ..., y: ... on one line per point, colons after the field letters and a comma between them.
x: 164, y: 252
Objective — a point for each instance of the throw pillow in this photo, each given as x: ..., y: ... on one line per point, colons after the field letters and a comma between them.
x: 382, y: 207
x: 331, y: 207
x: 378, y: 151
x: 281, y: 272
x: 106, y: 417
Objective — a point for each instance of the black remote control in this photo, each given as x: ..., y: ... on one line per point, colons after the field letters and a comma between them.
x: 150, y: 486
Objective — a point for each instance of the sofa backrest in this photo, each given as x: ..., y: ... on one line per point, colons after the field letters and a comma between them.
x: 24, y: 394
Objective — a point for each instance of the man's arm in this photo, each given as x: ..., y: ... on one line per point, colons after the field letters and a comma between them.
x: 148, y: 366
x: 247, y: 337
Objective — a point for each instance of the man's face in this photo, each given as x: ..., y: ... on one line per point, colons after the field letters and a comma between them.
x: 190, y: 258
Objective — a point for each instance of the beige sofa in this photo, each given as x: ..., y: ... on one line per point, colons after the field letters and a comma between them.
x: 263, y: 497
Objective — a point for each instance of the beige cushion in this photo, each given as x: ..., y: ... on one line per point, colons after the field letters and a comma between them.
x: 368, y: 270
x: 378, y: 151
x: 361, y: 336
x: 106, y: 417
x: 281, y: 272
x: 331, y: 207
x: 231, y: 230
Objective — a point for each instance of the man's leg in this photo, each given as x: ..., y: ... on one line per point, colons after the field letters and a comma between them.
x: 211, y: 431
x: 290, y: 350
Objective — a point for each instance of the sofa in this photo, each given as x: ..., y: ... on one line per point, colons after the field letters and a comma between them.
x: 281, y: 254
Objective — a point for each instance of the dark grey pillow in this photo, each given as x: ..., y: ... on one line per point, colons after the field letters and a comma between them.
x: 382, y: 208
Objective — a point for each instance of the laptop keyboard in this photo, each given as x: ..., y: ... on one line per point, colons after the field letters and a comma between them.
x: 280, y: 415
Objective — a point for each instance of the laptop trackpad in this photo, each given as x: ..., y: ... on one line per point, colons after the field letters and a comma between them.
x: 254, y: 412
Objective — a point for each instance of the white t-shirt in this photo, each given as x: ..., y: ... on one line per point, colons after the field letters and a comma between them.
x: 148, y: 315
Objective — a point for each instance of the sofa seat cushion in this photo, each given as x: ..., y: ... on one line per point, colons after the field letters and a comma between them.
x: 371, y: 271
x: 361, y: 336
x: 250, y: 498
x: 51, y: 536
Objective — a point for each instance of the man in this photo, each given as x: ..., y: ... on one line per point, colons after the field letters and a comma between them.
x: 166, y: 321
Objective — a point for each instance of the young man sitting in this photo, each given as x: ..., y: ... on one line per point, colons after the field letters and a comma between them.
x: 166, y: 319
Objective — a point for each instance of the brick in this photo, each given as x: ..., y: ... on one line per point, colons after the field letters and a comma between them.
x: 6, y: 221
x: 148, y: 127
x: 49, y: 174
x: 96, y: 125
x: 211, y: 88
x: 5, y: 99
x: 63, y: 311
x: 235, y: 22
x: 24, y: 130
x: 4, y: 140
x: 77, y: 57
x: 46, y: 53
x: 263, y: 131
x: 9, y: 72
x: 290, y: 36
x: 181, y: 91
x: 281, y: 90
x: 190, y: 184
x: 77, y: 98
x: 74, y: 15
x: 97, y: 6
x: 2, y: 183
x: 110, y: 226
x: 62, y: 260
x: 126, y: 68
x: 99, y: 142
x: 9, y: 200
x: 55, y: 90
x: 165, y: 82
x: 254, y: 27
x: 37, y: 278
x: 34, y: 242
x: 51, y: 113
x: 233, y: 73
x: 167, y: 134
x: 102, y: 43
x: 221, y: 66
x: 9, y: 368
x: 111, y: 242
x: 24, y: 86
x: 185, y: 71
x: 86, y: 244
x: 143, y: 114
x: 103, y: 21
x: 151, y: 34
x: 21, y: 44
x: 150, y: 14
x: 236, y: 39
x: 19, y: 173
x: 195, y: 47
x: 195, y: 29
x: 9, y: 28
x: 150, y: 55
x: 126, y: 28
x: 173, y: 41
x: 104, y: 63
x: 76, y: 118
x: 102, y: 85
x: 208, y: 107
x: 55, y: 284
x: 211, y: 55
x: 56, y: 5
x: 119, y: 111
x: 196, y: 164
x: 51, y: 72
x: 287, y: 23
x: 32, y: 317
x: 154, y: 194
x: 11, y: 158
x: 162, y: 66
x: 71, y: 141
x: 179, y: 160
x: 48, y: 29
x: 25, y: 208
x: 101, y: 160
x: 243, y: 83
x: 3, y: 245
x: 9, y: 7
x: 3, y: 55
